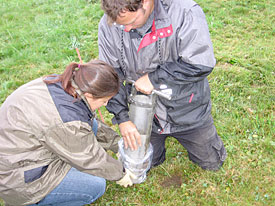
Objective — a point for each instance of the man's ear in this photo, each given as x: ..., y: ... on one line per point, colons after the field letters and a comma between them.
x: 147, y: 4
x: 147, y: 1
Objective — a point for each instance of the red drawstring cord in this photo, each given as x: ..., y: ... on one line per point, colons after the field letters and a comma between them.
x: 162, y: 129
x: 78, y: 54
x: 100, y: 114
x: 191, y: 97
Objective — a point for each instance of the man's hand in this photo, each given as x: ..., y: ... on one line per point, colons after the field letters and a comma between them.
x: 130, y: 135
x: 144, y: 85
x: 127, y: 180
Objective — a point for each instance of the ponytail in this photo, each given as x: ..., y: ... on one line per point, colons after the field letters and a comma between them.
x: 95, y: 77
x: 65, y: 78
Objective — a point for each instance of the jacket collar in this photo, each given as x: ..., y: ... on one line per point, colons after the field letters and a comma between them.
x: 162, y: 19
x: 161, y: 26
x: 147, y: 26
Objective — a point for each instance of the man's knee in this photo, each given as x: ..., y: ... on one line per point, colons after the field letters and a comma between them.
x: 213, y: 166
x: 217, y: 155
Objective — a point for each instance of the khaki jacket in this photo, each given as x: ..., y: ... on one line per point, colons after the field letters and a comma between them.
x: 43, y: 133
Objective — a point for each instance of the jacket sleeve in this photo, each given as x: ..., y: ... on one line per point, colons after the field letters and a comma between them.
x: 109, y: 53
x: 107, y: 137
x: 195, y: 52
x: 75, y: 143
x: 118, y: 106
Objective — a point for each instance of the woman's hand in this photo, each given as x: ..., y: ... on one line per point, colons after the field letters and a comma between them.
x: 130, y: 135
x: 128, y: 178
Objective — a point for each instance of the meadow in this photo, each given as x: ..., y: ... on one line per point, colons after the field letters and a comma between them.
x: 39, y: 37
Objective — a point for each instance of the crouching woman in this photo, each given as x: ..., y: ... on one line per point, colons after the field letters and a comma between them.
x: 52, y: 149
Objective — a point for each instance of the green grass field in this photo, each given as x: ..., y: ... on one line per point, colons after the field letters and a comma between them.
x: 38, y: 38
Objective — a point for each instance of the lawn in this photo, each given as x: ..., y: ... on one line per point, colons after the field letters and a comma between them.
x: 38, y: 38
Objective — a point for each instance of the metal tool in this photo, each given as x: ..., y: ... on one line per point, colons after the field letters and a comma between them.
x: 141, y: 113
x: 157, y: 92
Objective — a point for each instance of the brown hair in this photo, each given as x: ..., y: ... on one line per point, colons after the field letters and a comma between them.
x: 113, y: 8
x: 95, y: 77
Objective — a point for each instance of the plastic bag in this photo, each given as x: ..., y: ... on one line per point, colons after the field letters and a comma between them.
x: 137, y: 165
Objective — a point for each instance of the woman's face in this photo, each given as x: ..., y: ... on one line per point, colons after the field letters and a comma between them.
x: 96, y: 103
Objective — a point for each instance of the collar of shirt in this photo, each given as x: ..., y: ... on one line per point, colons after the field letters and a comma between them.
x: 140, y: 32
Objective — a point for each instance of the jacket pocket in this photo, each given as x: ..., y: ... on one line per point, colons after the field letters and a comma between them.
x: 189, y: 104
x: 184, y: 95
x: 219, y: 148
x: 183, y: 102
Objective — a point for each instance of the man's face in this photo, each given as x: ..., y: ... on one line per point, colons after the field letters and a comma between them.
x: 133, y: 20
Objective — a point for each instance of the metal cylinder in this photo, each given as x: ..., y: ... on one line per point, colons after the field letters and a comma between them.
x: 141, y: 113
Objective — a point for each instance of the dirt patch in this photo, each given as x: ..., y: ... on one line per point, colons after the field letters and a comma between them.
x: 173, y: 181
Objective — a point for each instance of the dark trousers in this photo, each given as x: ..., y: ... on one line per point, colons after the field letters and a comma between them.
x: 203, y: 145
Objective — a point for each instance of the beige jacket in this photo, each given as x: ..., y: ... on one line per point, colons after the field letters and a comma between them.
x: 41, y: 126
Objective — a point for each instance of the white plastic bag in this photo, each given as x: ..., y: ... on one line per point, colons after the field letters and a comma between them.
x: 138, y: 166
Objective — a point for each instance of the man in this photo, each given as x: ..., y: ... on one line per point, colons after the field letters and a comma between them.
x: 163, y: 44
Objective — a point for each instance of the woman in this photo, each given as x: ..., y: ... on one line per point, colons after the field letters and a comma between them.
x: 52, y: 152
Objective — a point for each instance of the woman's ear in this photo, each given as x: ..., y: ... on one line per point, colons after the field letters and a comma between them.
x: 88, y: 95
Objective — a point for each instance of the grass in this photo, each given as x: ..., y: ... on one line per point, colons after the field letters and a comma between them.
x: 39, y: 37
